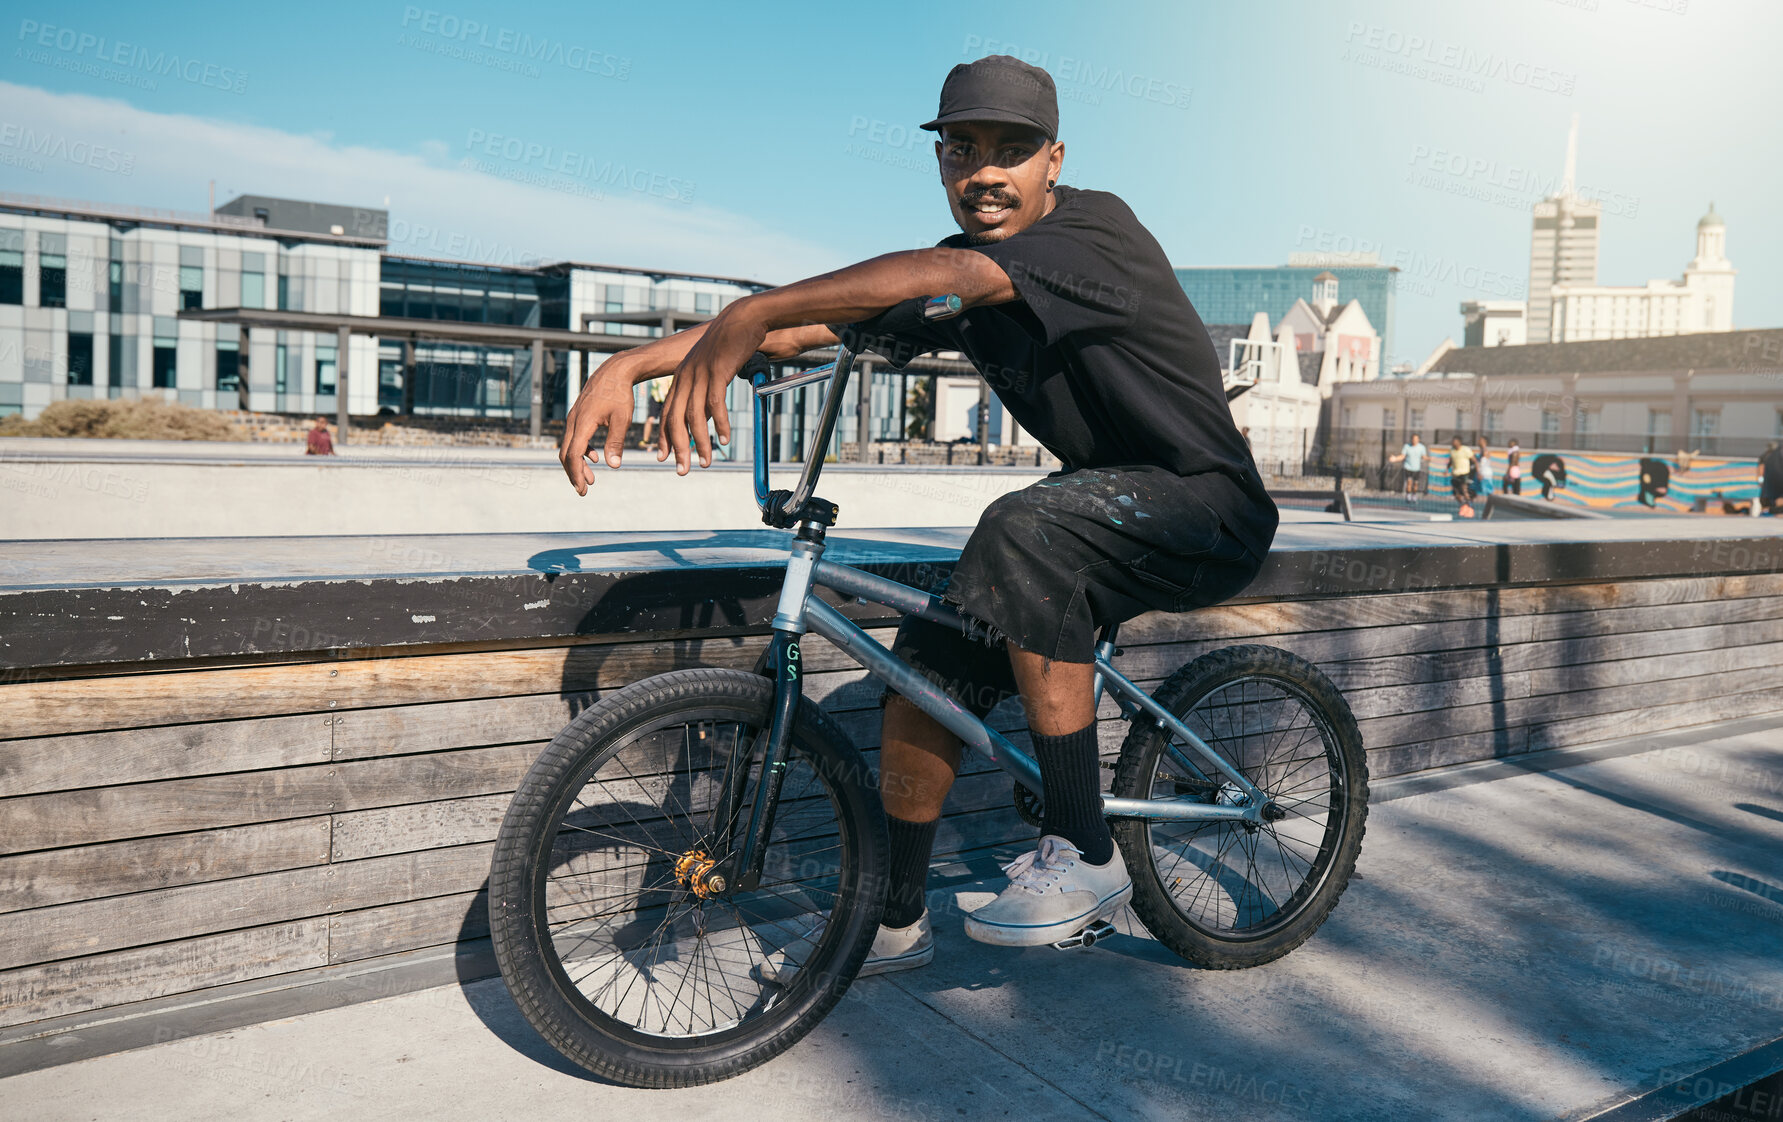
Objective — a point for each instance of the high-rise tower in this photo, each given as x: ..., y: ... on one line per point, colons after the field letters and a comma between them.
x: 1562, y: 243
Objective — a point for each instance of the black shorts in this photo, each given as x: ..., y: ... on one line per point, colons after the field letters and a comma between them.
x: 1049, y: 565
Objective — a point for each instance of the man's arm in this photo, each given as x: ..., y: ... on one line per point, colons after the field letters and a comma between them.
x: 696, y: 399
x: 606, y: 397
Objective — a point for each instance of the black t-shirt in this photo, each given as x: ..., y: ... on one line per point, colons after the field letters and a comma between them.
x: 1101, y: 358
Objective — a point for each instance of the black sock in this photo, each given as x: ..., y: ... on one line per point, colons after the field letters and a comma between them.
x: 1072, y: 800
x: 907, y: 870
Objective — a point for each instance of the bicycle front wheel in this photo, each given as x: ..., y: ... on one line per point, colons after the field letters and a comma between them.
x: 1229, y: 894
x: 603, y: 924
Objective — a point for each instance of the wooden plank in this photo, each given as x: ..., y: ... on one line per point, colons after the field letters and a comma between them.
x: 1239, y: 621
x: 1409, y: 668
x: 59, y: 876
x: 60, y: 763
x: 1568, y: 732
x: 400, y: 829
x: 371, y: 932
x: 96, y: 926
x: 56, y: 989
x: 430, y: 727
x: 1412, y: 728
x: 174, y: 806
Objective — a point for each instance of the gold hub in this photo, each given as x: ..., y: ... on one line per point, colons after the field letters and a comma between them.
x: 692, y: 869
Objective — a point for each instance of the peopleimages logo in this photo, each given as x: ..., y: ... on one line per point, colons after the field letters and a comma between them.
x: 131, y: 56
x: 468, y: 38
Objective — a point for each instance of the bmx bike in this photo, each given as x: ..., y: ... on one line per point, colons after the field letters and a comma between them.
x: 690, y: 876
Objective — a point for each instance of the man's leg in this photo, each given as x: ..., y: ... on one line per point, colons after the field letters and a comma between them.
x: 1062, y: 723
x: 917, y: 761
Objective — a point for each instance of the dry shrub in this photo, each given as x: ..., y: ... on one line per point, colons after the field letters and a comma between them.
x: 122, y: 420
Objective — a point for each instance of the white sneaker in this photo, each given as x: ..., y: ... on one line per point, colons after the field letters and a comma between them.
x: 894, y: 949
x: 1053, y: 894
x: 901, y: 948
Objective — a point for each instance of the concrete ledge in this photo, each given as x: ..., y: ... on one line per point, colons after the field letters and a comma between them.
x: 65, y: 604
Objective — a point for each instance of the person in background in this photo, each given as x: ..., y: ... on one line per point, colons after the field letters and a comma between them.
x: 1482, y: 468
x: 1513, y: 469
x: 1461, y: 475
x: 1412, y: 453
x: 1770, y: 479
x: 319, y: 442
x: 658, y: 393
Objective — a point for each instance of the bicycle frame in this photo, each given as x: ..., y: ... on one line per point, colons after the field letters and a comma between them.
x: 798, y: 611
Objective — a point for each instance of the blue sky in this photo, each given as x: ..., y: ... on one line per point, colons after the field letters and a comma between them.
x: 778, y: 140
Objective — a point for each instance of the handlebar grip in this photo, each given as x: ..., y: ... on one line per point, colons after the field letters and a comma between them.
x: 757, y: 363
x: 942, y: 307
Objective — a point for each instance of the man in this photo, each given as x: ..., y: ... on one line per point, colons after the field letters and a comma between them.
x: 656, y: 395
x: 1770, y: 479
x: 1513, y: 468
x: 1076, y: 317
x: 1412, y: 453
x: 318, y: 442
x: 1461, y: 475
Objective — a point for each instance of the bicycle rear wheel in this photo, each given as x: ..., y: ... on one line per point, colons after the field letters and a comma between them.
x: 602, y: 926
x: 1228, y: 894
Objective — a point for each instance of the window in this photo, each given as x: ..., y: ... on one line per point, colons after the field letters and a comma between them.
x: 325, y: 368
x: 228, y: 365
x: 1588, y: 420
x: 253, y: 290
x: 1390, y: 419
x: 115, y: 286
x: 52, y: 280
x: 702, y: 303
x: 1494, y: 420
x: 1550, y: 423
x: 1704, y: 423
x: 390, y: 299
x: 191, y: 287
x: 281, y: 356
x: 12, y: 276
x: 166, y: 369
x: 116, y: 349
x: 80, y: 358
x: 1415, y: 417
x: 1349, y: 416
x: 1659, y: 422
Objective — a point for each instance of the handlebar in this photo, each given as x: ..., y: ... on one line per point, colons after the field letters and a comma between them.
x: 836, y: 373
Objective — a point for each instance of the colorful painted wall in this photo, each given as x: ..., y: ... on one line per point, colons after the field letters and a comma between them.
x: 1616, y: 479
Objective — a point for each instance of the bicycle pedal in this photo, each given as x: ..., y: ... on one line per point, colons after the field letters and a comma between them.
x: 1088, y: 937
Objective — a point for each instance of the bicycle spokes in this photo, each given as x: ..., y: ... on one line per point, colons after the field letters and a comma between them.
x: 643, y: 925
x: 1249, y: 877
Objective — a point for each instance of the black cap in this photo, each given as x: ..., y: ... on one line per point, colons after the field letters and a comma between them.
x: 999, y: 88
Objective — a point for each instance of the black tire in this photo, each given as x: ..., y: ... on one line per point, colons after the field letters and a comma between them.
x: 1228, y: 698
x: 586, y: 780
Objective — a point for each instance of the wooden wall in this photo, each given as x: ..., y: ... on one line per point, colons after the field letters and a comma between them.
x: 171, y: 831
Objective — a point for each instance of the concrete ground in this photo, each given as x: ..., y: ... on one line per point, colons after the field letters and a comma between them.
x: 1520, y: 944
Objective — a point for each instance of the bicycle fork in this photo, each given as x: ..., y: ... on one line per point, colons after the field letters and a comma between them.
x: 743, y: 868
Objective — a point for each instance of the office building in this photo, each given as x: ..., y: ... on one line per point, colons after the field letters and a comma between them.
x: 1223, y: 294
x: 1562, y: 242
x: 108, y: 301
x: 1701, y: 301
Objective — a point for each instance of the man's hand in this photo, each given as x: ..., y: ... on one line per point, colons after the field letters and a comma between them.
x: 606, y: 399
x: 697, y: 394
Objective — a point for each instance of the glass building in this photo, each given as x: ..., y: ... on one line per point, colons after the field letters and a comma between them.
x: 91, y: 297
x: 1224, y: 294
